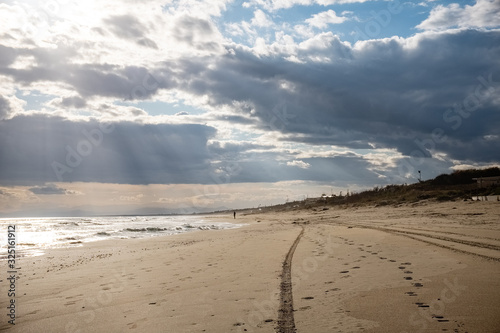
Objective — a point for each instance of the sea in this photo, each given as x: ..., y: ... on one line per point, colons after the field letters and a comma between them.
x: 35, y: 235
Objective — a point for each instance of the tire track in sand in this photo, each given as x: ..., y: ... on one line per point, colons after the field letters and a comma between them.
x: 286, y: 323
x: 489, y: 251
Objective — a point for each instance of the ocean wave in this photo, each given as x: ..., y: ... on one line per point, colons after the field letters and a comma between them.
x: 71, y: 238
x: 67, y: 232
x: 206, y: 227
x: 69, y: 223
x: 149, y: 229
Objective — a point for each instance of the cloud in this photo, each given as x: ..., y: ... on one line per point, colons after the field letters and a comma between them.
x: 5, y: 108
x: 129, y: 82
x: 299, y: 164
x: 7, y: 55
x: 235, y: 149
x: 323, y: 19
x: 274, y: 5
x: 132, y: 198
x: 129, y: 27
x: 56, y: 149
x: 388, y: 93
x: 483, y: 14
x: 120, y: 111
x: 260, y: 19
x: 72, y: 101
x: 384, y: 93
x: 315, y: 91
x: 198, y: 33
x: 49, y: 189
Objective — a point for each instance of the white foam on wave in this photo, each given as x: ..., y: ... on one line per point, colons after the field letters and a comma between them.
x: 35, y: 235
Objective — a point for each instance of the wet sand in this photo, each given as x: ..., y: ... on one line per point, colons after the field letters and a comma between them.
x: 427, y: 267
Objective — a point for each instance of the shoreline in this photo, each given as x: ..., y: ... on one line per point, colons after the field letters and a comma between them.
x: 157, y: 228
x: 349, y: 273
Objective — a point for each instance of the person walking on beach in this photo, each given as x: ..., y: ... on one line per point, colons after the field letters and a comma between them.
x: 234, y: 215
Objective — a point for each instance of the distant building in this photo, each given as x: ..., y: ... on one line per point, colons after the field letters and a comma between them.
x: 487, y: 181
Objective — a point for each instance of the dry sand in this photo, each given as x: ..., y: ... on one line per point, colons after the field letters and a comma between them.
x: 426, y: 267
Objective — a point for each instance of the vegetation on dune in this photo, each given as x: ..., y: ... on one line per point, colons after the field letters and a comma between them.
x: 461, y: 177
x: 458, y: 185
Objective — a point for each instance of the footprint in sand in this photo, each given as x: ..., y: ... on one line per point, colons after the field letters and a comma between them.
x: 401, y: 267
x: 408, y: 272
x: 408, y: 278
x: 442, y: 320
x: 422, y: 305
x: 343, y: 272
x: 334, y: 289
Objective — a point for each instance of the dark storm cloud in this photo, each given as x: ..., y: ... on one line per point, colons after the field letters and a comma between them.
x: 129, y: 27
x: 130, y: 82
x: 7, y: 55
x: 196, y: 32
x: 5, y: 108
x: 386, y: 94
x: 40, y: 149
x: 74, y: 101
x: 48, y: 189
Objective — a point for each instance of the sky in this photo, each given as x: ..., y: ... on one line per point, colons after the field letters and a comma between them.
x: 157, y: 107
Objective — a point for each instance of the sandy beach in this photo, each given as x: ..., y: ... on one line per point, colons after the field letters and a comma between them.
x: 423, y: 267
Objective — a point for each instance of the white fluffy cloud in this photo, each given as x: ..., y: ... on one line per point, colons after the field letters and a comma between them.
x: 483, y: 14
x: 260, y: 19
x: 299, y: 164
x: 323, y: 19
